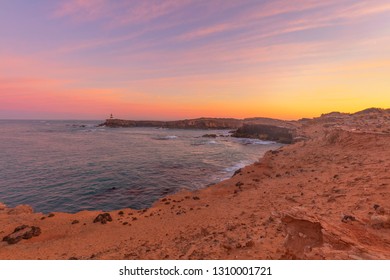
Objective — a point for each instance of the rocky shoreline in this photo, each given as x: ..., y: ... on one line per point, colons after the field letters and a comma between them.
x: 260, y: 128
x: 324, y: 197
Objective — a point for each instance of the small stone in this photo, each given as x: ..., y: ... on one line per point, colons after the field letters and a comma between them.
x: 195, y: 198
x: 250, y: 244
x: 51, y: 215
x: 75, y: 222
x: 347, y: 218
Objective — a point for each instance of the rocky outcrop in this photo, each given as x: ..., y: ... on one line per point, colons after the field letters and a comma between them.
x: 22, y: 232
x: 261, y: 128
x: 201, y: 123
x: 265, y: 132
x: 18, y: 210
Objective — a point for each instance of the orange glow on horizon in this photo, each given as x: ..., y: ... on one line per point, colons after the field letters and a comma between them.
x: 273, y: 59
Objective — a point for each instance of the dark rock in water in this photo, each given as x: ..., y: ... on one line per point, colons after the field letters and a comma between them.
x: 22, y: 232
x: 103, y: 218
x: 210, y: 135
x: 265, y: 132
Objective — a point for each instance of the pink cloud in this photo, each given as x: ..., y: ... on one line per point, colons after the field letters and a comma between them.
x: 83, y: 10
x: 207, y: 31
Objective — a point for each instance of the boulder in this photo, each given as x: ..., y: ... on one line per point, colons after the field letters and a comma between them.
x: 103, y: 218
x: 22, y: 232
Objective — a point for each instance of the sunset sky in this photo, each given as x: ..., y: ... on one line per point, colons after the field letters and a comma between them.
x: 85, y: 59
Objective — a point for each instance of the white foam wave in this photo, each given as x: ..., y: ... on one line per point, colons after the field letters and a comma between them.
x: 249, y: 141
x: 168, y: 137
x: 238, y: 165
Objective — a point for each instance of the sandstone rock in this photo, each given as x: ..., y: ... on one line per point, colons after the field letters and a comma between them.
x: 380, y: 221
x: 303, y: 232
x: 22, y: 232
x: 20, y: 209
x: 103, y: 218
x: 2, y: 206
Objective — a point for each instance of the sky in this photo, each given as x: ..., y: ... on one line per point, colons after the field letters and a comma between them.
x: 176, y: 59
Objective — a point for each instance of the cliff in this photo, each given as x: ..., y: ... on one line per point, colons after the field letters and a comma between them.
x: 265, y: 132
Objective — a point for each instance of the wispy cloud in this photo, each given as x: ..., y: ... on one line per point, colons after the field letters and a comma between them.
x: 117, y: 13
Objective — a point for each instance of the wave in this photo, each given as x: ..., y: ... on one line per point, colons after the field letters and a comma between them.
x: 168, y: 137
x: 249, y: 141
x: 202, y: 143
x: 236, y: 166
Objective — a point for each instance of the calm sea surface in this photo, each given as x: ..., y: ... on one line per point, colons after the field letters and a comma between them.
x: 73, y: 165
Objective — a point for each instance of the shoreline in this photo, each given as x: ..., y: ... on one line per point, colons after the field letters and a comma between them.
x: 323, y: 198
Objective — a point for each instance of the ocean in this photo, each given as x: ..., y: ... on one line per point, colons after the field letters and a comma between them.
x: 70, y: 166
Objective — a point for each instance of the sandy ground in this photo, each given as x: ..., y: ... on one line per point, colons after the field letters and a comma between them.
x: 327, y: 197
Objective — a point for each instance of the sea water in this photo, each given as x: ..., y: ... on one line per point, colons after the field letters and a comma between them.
x: 75, y: 165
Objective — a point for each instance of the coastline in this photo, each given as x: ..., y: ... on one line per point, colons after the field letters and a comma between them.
x: 323, y: 198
